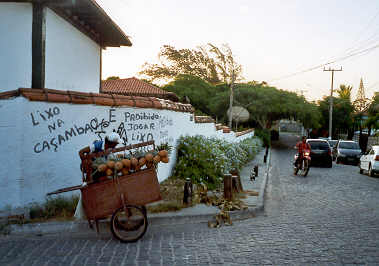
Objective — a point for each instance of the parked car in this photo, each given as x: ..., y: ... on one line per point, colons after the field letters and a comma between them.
x: 347, y: 151
x: 370, y: 161
x: 320, y: 152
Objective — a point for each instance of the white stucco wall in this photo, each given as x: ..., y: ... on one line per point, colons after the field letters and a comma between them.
x: 15, y: 45
x: 43, y: 139
x: 12, y: 138
x: 72, y: 59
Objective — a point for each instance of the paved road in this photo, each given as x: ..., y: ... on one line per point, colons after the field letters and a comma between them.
x: 330, y: 217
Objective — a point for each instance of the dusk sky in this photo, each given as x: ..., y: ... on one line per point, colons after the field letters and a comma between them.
x: 270, y: 39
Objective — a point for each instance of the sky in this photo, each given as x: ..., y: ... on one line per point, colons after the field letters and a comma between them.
x: 271, y: 39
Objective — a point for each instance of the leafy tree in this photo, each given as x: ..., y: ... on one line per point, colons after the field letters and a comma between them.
x: 342, y: 115
x: 197, y: 90
x: 113, y: 78
x: 226, y: 63
x: 209, y: 63
x: 267, y: 104
x: 373, y: 113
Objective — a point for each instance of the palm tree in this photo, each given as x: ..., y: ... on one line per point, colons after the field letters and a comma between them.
x: 344, y: 92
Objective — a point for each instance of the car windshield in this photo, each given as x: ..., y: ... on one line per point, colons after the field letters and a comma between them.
x: 319, y: 145
x: 348, y: 145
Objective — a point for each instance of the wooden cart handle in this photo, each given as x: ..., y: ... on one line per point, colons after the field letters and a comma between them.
x: 129, y: 147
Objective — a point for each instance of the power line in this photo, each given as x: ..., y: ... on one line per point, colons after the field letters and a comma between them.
x: 352, y: 51
x: 372, y: 39
x: 367, y: 50
x: 357, y: 38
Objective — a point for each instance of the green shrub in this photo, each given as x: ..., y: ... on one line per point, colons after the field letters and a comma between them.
x: 59, y: 207
x: 264, y: 134
x: 206, y: 160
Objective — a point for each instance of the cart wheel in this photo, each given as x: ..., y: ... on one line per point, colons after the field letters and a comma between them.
x: 129, y: 223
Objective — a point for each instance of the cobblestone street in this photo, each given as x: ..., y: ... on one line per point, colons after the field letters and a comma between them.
x: 331, y: 217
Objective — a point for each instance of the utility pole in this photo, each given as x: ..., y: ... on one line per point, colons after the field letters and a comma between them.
x: 331, y: 101
x: 231, y: 101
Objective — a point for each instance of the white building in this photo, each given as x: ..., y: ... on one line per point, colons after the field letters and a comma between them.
x: 55, y: 44
x: 50, y: 108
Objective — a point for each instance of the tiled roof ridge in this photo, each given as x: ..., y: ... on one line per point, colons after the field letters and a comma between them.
x: 203, y: 119
x: 133, y: 79
x: 241, y: 133
x: 107, y: 99
x: 136, y: 87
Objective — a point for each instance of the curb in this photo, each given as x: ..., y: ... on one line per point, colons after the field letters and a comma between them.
x: 154, y: 220
x: 252, y: 212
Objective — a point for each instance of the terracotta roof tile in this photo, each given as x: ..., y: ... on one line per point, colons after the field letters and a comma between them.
x: 238, y: 134
x: 136, y: 87
x: 204, y: 119
x: 75, y: 97
x: 226, y: 130
x: 218, y: 126
x: 9, y: 94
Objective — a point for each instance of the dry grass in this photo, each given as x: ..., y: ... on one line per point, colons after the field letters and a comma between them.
x: 172, y: 190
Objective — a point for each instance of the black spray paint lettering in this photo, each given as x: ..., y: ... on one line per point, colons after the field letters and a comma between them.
x: 135, y: 127
x: 122, y: 133
x: 142, y: 137
x: 165, y: 121
x: 163, y: 134
x: 45, y: 115
x: 101, y: 127
x: 61, y: 138
x: 140, y: 116
x: 52, y: 127
x: 111, y: 115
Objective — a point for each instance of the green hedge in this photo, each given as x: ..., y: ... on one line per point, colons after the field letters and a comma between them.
x: 205, y: 160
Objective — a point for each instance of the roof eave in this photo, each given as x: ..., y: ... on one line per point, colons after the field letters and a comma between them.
x: 112, y: 35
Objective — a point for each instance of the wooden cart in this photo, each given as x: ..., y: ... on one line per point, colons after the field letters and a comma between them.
x: 123, y: 197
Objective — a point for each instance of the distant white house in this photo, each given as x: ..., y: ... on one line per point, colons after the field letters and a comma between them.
x: 54, y: 44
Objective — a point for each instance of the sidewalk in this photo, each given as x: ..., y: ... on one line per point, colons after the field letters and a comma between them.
x: 200, y: 213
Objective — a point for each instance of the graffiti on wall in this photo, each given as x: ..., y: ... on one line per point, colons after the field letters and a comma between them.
x: 132, y: 127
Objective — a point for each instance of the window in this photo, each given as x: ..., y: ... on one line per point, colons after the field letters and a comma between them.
x: 348, y: 145
x: 319, y: 145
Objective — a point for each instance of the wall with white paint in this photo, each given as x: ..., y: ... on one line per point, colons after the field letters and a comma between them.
x: 15, y: 45
x: 11, y: 181
x: 43, y: 140
x: 72, y: 59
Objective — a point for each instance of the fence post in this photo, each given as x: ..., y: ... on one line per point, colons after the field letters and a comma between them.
x: 236, y: 173
x: 228, y: 187
x: 265, y: 157
x: 187, y: 194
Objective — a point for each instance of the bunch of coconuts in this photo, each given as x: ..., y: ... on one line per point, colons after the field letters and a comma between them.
x: 125, y: 164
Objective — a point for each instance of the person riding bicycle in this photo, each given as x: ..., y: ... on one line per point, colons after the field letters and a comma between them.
x: 301, y: 146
